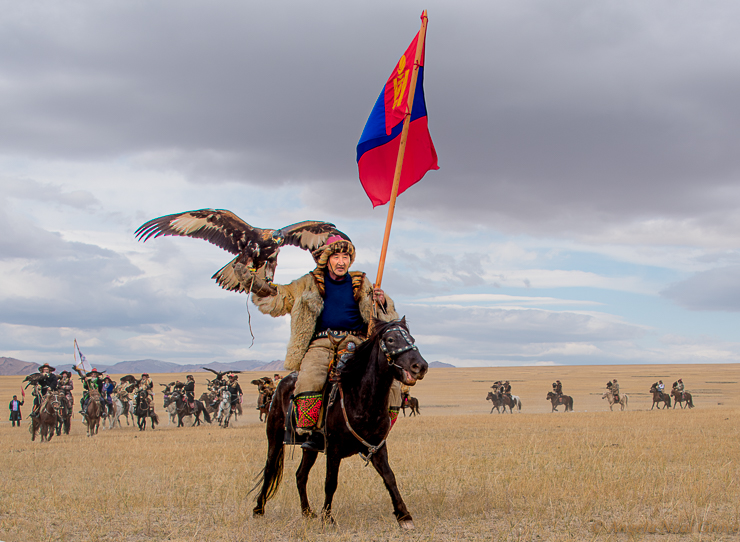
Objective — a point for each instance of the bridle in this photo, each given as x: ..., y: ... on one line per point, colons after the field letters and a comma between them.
x: 392, y: 355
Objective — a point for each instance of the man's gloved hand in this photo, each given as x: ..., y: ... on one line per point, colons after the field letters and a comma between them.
x: 248, y: 278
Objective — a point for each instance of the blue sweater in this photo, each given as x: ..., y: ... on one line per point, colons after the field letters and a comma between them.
x: 341, y: 311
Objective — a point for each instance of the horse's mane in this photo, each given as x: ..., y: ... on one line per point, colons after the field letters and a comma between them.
x: 356, y: 366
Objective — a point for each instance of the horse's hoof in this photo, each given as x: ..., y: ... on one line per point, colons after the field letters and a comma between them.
x: 258, y: 512
x: 308, y: 513
x: 406, y: 524
x: 328, y: 520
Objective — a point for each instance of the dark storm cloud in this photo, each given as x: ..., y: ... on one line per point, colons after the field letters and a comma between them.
x: 713, y: 290
x: 547, y: 117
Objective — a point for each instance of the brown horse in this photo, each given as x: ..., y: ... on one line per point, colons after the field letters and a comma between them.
x: 210, y: 400
x: 658, y: 397
x: 412, y: 403
x: 92, y: 413
x: 503, y: 402
x: 183, y: 408
x: 680, y: 397
x: 145, y: 409
x: 265, y: 395
x: 50, y: 413
x: 556, y: 400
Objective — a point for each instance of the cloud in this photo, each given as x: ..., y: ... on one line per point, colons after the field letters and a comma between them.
x: 713, y: 290
x: 561, y: 133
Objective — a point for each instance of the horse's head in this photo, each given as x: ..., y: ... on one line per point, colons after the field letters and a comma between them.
x: 489, y: 397
x: 397, y: 344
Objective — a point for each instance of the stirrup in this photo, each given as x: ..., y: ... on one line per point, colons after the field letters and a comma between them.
x: 315, y: 443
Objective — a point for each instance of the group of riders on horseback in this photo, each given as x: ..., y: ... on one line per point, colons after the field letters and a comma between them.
x: 678, y: 392
x: 51, y: 390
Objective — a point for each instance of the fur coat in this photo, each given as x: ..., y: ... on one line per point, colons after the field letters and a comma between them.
x: 303, y: 300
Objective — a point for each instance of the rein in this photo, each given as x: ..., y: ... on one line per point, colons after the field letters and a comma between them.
x: 370, y: 448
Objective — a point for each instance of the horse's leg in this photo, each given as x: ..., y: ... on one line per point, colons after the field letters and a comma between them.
x: 330, y: 486
x: 301, y: 479
x: 380, y: 462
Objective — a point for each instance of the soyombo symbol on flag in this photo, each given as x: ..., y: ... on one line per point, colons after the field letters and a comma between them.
x: 377, y: 151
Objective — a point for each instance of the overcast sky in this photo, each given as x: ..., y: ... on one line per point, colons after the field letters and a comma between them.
x: 586, y: 210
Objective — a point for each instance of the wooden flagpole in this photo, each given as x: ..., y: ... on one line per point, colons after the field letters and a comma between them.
x: 420, y: 44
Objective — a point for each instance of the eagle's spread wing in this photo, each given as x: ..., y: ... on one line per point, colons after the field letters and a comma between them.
x: 219, y: 375
x: 128, y: 378
x: 218, y: 226
x: 308, y: 235
x: 32, y: 379
x: 254, y: 247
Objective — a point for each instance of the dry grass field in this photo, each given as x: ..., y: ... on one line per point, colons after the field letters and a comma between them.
x: 465, y: 474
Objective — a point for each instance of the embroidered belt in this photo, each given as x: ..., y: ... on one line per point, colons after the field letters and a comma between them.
x: 337, y: 334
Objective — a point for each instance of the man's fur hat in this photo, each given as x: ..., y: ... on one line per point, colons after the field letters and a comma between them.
x: 47, y: 366
x: 335, y: 243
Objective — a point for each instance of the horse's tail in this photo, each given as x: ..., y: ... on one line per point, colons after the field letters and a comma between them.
x: 518, y: 404
x: 206, y: 416
x: 571, y: 404
x: 272, y: 474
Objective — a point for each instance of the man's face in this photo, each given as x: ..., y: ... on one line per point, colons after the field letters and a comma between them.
x: 339, y: 265
x: 45, y: 371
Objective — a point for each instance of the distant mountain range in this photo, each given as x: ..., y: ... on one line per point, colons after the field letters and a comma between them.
x: 12, y: 366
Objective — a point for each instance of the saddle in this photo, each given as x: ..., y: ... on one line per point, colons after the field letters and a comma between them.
x: 329, y: 392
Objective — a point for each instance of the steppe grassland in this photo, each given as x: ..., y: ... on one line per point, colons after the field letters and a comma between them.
x: 465, y: 474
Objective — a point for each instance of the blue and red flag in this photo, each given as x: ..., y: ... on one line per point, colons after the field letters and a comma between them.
x: 377, y: 150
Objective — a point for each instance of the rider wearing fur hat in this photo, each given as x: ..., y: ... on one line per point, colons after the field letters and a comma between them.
x: 615, y: 390
x: 47, y: 382
x: 66, y: 385
x: 92, y: 381
x: 330, y: 308
x: 679, y: 387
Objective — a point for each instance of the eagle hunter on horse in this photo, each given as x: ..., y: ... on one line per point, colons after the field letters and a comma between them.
x: 330, y: 308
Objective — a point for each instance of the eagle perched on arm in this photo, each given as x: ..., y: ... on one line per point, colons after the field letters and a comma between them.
x: 254, y: 247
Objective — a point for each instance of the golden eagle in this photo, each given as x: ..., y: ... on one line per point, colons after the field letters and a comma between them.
x: 254, y: 247
x: 220, y: 374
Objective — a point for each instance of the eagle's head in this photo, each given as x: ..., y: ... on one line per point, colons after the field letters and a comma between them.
x: 279, y: 237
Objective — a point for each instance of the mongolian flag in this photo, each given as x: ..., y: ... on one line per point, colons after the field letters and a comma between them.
x: 378, y: 148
